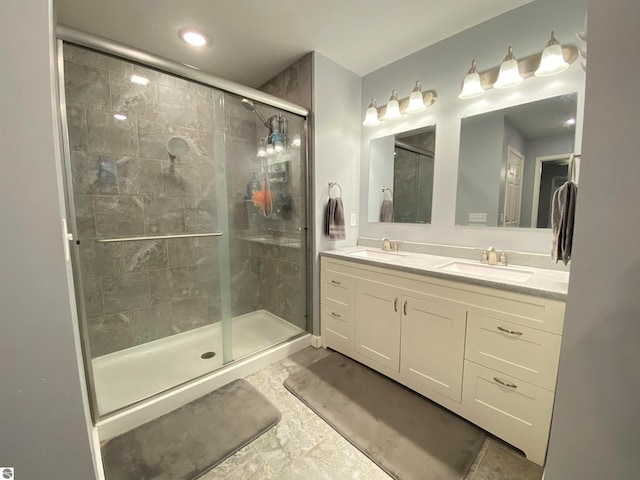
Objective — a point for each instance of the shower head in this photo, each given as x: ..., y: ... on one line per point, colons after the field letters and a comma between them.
x: 249, y: 105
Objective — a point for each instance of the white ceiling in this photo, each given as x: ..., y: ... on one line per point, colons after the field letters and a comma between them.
x: 252, y: 40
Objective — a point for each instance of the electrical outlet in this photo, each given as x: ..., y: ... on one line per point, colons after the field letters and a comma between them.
x: 353, y: 219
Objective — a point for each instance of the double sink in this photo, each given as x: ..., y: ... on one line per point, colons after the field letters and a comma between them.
x: 461, y: 267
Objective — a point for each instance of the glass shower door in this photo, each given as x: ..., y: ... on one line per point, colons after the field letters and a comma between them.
x: 147, y: 192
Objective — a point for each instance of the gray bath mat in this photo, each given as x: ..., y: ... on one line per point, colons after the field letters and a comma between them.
x: 185, y: 443
x: 407, y: 435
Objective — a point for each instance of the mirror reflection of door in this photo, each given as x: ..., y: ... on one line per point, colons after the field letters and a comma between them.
x: 550, y: 174
x: 513, y: 190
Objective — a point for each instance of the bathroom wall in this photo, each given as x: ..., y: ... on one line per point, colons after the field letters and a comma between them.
x: 44, y: 415
x: 442, y: 67
x: 594, y: 432
x: 336, y: 154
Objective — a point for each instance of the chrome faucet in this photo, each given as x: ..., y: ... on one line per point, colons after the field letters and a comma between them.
x: 389, y: 245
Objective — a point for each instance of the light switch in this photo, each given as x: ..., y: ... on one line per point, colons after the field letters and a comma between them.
x: 477, y: 218
x: 353, y: 219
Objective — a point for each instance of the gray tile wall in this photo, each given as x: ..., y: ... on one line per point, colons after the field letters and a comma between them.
x: 125, y: 183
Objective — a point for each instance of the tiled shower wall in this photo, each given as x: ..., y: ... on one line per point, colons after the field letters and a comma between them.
x: 125, y: 183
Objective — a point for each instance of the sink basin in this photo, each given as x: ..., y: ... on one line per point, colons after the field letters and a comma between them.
x: 378, y: 255
x: 488, y: 271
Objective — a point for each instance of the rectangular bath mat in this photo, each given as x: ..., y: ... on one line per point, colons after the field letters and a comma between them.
x: 407, y: 435
x: 185, y: 443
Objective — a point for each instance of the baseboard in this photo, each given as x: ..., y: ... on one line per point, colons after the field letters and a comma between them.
x: 316, y: 341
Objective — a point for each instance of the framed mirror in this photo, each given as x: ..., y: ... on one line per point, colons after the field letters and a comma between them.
x: 401, y: 176
x: 512, y: 161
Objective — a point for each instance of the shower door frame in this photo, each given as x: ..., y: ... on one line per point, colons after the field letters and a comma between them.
x: 126, y: 52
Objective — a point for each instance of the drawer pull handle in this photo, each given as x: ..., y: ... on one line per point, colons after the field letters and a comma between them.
x: 405, y: 307
x: 511, y: 332
x: 337, y: 315
x: 395, y: 305
x: 506, y: 384
x: 335, y: 282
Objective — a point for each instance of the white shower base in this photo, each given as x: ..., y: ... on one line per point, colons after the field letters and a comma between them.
x: 129, y: 376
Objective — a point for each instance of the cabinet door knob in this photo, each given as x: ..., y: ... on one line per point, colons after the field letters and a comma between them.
x: 405, y: 307
x: 335, y: 282
x: 395, y: 304
x: 510, y: 332
x: 506, y: 384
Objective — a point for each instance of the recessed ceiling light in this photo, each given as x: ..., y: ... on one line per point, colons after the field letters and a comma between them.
x: 139, y: 80
x: 119, y: 116
x: 193, y: 38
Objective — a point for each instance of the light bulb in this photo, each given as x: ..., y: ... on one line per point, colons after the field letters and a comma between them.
x: 393, y: 107
x: 371, y: 117
x: 552, y: 61
x: 270, y: 149
x: 279, y: 147
x: 416, y: 100
x: 193, y: 38
x: 119, y: 116
x: 472, y: 86
x: 261, y: 151
x: 509, y: 75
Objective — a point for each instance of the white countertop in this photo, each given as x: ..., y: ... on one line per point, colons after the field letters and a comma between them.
x: 542, y: 282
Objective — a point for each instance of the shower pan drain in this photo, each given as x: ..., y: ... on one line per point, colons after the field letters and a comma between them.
x: 207, y: 355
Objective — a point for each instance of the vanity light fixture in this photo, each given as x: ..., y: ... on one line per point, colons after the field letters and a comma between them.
x: 193, y: 38
x: 371, y: 117
x: 472, y: 87
x: 416, y: 100
x: 509, y: 75
x: 393, y: 107
x: 552, y: 61
x: 555, y: 58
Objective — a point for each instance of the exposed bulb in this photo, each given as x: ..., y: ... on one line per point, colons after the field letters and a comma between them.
x: 270, y: 149
x: 261, y: 151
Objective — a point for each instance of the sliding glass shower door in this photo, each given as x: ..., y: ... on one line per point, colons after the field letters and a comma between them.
x: 190, y: 247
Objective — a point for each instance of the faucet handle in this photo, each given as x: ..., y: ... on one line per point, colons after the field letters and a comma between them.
x: 502, y: 260
x: 485, y: 257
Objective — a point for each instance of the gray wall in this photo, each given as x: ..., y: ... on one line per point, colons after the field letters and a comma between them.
x: 442, y: 67
x: 594, y: 432
x: 44, y: 417
x: 336, y: 118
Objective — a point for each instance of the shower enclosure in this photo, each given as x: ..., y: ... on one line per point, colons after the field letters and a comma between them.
x: 188, y: 206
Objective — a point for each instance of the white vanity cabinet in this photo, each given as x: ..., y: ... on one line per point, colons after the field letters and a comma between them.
x: 489, y: 355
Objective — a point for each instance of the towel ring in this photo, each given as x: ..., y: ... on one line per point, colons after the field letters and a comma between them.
x: 334, y: 184
x: 387, y: 189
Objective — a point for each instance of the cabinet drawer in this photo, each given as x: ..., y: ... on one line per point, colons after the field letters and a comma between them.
x: 337, y: 330
x: 520, y: 414
x: 337, y: 290
x: 525, y: 353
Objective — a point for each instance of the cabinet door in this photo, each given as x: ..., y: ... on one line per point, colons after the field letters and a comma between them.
x: 433, y: 346
x: 377, y: 323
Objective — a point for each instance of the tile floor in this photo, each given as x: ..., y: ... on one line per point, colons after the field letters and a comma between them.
x: 302, y: 446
